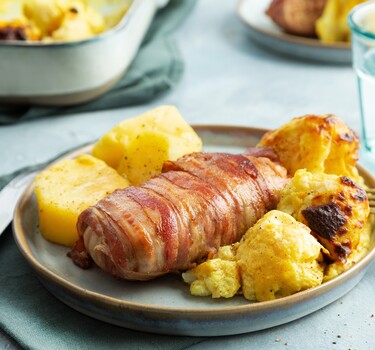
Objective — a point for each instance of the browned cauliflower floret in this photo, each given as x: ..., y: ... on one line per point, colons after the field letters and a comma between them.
x: 336, y: 268
x: 333, y: 207
x: 319, y: 144
x: 278, y: 257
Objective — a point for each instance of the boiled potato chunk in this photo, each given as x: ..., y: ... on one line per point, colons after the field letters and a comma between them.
x: 138, y: 147
x: 138, y: 163
x: 67, y: 188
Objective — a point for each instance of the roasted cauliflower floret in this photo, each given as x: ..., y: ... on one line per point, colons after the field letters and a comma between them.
x: 79, y: 22
x: 336, y: 268
x: 333, y: 207
x: 319, y: 144
x: 278, y: 257
x: 66, y: 20
x: 218, y: 277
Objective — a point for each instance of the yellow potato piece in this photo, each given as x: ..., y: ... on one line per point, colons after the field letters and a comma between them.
x: 67, y: 188
x: 138, y: 147
x: 144, y: 156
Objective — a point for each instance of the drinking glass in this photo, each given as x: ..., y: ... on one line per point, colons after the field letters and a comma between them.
x: 362, y: 24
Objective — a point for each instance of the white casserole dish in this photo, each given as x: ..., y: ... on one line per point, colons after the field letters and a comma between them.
x: 67, y: 73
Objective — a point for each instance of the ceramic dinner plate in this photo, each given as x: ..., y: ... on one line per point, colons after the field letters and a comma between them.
x: 164, y: 305
x: 263, y: 31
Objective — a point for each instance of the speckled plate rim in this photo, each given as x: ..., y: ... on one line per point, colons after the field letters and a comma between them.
x: 214, y: 314
x: 285, y: 37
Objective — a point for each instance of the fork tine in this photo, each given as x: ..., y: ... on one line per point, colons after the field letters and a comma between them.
x: 371, y: 197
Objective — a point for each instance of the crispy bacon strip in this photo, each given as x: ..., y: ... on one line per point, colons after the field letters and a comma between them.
x: 199, y: 203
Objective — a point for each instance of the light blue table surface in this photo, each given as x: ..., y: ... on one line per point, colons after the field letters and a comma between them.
x: 230, y: 80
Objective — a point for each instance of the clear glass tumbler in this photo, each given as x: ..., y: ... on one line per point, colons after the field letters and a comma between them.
x: 362, y: 24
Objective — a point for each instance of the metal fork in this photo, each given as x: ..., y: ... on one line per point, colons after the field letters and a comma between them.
x: 371, y: 198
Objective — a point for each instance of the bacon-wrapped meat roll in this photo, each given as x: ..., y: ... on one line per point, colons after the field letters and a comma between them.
x: 199, y: 203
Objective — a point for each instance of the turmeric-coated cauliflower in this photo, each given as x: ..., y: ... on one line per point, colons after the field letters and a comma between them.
x: 278, y: 257
x: 64, y: 20
x: 319, y: 144
x: 218, y: 277
x: 333, y: 207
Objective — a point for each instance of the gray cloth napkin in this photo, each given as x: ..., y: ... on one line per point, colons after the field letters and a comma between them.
x: 157, y: 68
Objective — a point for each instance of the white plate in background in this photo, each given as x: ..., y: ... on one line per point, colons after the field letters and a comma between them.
x: 266, y: 33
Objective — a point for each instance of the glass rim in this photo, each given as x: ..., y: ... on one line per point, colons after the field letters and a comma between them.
x: 357, y: 28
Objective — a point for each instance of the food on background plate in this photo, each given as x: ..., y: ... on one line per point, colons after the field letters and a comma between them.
x: 296, y: 16
x: 55, y: 20
x: 199, y: 203
x: 275, y: 258
x: 67, y: 188
x: 325, y: 19
x: 333, y: 26
x: 138, y: 147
